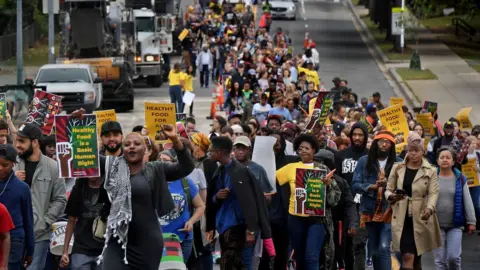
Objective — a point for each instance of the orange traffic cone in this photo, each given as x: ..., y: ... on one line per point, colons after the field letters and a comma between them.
x: 220, y: 98
x: 213, y: 108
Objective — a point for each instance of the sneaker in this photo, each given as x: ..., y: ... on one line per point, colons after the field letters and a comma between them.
x: 369, y: 263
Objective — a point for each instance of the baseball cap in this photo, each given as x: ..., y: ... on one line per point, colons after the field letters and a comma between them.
x: 237, y: 129
x: 8, y: 152
x: 111, y: 126
x: 371, y: 107
x: 30, y: 130
x: 243, y: 140
x: 448, y: 124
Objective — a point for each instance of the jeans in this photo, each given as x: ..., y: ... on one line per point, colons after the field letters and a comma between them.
x: 248, y: 254
x: 448, y: 257
x: 307, y: 239
x: 379, y: 238
x: 84, y: 262
x: 176, y: 97
x: 17, y: 247
x: 232, y: 243
x: 39, y: 255
x: 206, y: 260
x: 204, y: 76
x: 187, y: 249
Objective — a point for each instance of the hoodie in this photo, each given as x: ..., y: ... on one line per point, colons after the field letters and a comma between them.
x: 346, y: 159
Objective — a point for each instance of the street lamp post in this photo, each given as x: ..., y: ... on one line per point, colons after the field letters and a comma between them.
x: 19, y: 42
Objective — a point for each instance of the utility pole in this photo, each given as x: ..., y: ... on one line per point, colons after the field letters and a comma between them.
x: 51, y: 34
x: 19, y: 42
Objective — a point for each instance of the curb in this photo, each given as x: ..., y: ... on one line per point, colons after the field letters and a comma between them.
x: 410, y: 98
x: 367, y: 32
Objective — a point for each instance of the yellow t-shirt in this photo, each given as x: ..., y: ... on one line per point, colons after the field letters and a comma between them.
x: 174, y: 78
x: 287, y: 174
x: 188, y: 82
x: 312, y: 76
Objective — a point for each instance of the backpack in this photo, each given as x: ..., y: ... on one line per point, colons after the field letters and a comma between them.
x: 186, y: 190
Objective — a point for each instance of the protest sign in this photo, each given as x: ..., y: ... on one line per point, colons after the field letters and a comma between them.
x: 319, y: 116
x: 77, y: 154
x: 43, y: 109
x: 181, y: 118
x: 104, y: 116
x: 426, y: 120
x: 460, y: 145
x: 396, y: 100
x: 365, y: 121
x: 310, y: 192
x: 17, y: 98
x: 263, y: 155
x: 464, y: 119
x: 3, y: 106
x: 156, y: 116
x: 430, y: 107
x: 395, y: 121
x: 470, y: 172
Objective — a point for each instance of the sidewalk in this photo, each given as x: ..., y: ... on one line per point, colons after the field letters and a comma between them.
x: 458, y: 84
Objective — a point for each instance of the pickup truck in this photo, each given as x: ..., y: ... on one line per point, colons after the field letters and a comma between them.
x: 79, y: 86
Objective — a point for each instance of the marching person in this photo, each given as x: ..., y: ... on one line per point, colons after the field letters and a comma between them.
x: 412, y: 191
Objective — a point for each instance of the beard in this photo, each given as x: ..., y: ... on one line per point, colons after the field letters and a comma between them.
x: 382, y: 154
x: 112, y: 149
x: 25, y: 155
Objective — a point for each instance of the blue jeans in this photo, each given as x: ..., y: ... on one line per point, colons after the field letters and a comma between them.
x: 176, y: 97
x: 248, y: 253
x: 84, y: 262
x: 204, y: 75
x: 17, y: 247
x: 307, y: 239
x: 187, y: 249
x: 39, y: 255
x: 379, y: 238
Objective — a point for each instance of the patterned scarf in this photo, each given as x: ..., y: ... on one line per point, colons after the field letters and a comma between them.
x: 117, y: 185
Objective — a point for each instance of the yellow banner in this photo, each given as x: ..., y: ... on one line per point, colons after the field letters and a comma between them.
x: 394, y: 120
x: 104, y: 116
x: 426, y: 120
x: 464, y: 119
x: 157, y: 115
x: 396, y: 100
x: 183, y: 34
x: 470, y: 172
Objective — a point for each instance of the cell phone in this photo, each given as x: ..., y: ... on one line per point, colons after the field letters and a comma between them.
x: 400, y: 192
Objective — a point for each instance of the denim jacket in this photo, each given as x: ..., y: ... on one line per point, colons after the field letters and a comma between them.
x: 360, y: 183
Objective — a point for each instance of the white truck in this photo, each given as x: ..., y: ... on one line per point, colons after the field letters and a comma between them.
x: 77, y: 83
x: 154, y: 40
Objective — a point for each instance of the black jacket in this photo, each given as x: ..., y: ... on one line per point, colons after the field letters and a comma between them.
x: 250, y: 198
x: 346, y: 209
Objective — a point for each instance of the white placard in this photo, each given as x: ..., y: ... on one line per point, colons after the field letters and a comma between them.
x: 188, y: 97
x: 263, y: 155
x: 56, y: 6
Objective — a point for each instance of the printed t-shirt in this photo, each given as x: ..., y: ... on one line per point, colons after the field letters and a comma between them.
x: 287, y: 174
x: 312, y: 76
x: 177, y: 218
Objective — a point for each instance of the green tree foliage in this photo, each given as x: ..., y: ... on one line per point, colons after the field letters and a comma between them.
x: 31, y: 13
x: 434, y: 8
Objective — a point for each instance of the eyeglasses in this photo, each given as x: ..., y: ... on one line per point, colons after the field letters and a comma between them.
x: 384, y: 141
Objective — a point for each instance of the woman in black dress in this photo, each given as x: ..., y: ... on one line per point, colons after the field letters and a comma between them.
x: 139, y: 195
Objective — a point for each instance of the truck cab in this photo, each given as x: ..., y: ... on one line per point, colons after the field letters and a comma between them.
x: 79, y: 86
x: 148, y: 59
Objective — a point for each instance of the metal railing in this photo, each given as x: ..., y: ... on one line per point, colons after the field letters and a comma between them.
x: 8, y: 43
x: 462, y: 26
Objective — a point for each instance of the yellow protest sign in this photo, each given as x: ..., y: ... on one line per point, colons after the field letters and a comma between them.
x: 183, y: 34
x: 394, y: 120
x: 464, y: 119
x: 469, y: 170
x: 104, y: 116
x: 425, y: 119
x: 157, y: 115
x: 396, y: 100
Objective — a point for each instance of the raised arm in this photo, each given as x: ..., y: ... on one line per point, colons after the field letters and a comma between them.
x: 185, y: 165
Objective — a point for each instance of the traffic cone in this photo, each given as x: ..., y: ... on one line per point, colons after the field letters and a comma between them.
x: 220, y: 98
x: 213, y: 104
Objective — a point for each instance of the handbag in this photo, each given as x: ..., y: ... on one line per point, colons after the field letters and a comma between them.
x: 99, y: 228
x: 387, y: 215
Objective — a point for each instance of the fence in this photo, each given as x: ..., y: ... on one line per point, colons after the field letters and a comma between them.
x: 8, y: 43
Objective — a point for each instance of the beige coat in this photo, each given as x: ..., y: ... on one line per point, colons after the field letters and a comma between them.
x: 424, y: 195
